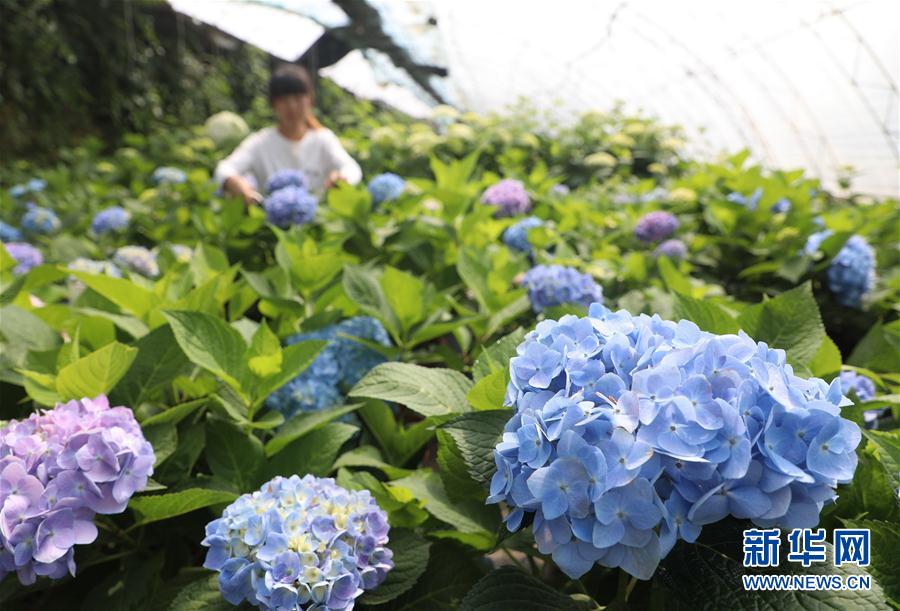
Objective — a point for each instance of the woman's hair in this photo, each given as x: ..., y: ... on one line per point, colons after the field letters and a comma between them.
x: 291, y: 79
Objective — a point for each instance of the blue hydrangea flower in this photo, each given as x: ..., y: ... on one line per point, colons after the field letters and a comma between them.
x: 674, y: 249
x: 39, y: 220
x: 516, y: 236
x: 299, y: 543
x: 286, y: 178
x: 94, y: 267
x: 168, y: 175
x: 112, y: 219
x: 552, y: 285
x: 631, y: 432
x: 748, y: 202
x: 814, y: 241
x: 386, y: 187
x: 27, y: 256
x: 782, y: 206
x: 137, y: 259
x: 851, y: 274
x: 290, y: 206
x: 656, y: 226
x: 508, y: 196
x: 336, y: 369
x: 35, y: 185
x: 8, y: 233
x: 865, y: 391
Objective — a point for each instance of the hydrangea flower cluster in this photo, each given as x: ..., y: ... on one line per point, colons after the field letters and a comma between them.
x: 40, y: 220
x: 27, y: 256
x: 286, y: 178
x: 674, y: 249
x: 851, y: 274
x: 35, y: 185
x: 58, y: 469
x: 290, y: 206
x: 655, y: 226
x: 299, y: 544
x: 183, y: 254
x: 112, y: 219
x: 508, y: 196
x: 168, y: 175
x: 782, y: 206
x: 336, y: 369
x: 865, y: 391
x: 8, y: 233
x: 552, y: 285
x: 386, y: 187
x: 225, y: 126
x: 94, y: 267
x: 631, y: 432
x: 750, y: 203
x: 560, y: 190
x: 137, y: 259
x: 516, y: 236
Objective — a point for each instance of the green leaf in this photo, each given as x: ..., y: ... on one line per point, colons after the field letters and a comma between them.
x: 427, y: 391
x: 212, y: 344
x: 448, y: 576
x: 468, y: 516
x: 705, y: 314
x: 410, y: 560
x: 21, y: 327
x: 159, y: 360
x: 164, y: 439
x: 476, y: 434
x: 153, y: 508
x: 174, y: 414
x: 264, y: 357
x: 201, y: 595
x: 879, y: 349
x: 699, y: 576
x: 489, y: 392
x: 124, y: 293
x: 233, y: 455
x: 399, y: 443
x: 304, y: 423
x: 674, y: 279
x: 294, y: 359
x: 313, y: 453
x: 496, y: 356
x: 363, y: 288
x: 452, y: 470
x: 369, y: 456
x: 509, y: 588
x: 888, y: 446
x: 404, y: 296
x: 885, y: 552
x: 827, y: 359
x: 790, y: 321
x: 96, y: 373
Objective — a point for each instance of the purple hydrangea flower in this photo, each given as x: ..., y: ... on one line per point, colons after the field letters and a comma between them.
x: 631, y: 432
x: 560, y: 190
x: 112, y: 219
x: 508, y: 196
x: 59, y: 468
x: 8, y: 233
x: 552, y: 285
x: 289, y: 206
x: 656, y: 226
x: 27, y: 256
x: 40, y: 221
x: 386, y: 187
x: 516, y: 236
x: 168, y: 175
x: 674, y: 249
x: 286, y: 178
x: 299, y: 543
x: 137, y: 259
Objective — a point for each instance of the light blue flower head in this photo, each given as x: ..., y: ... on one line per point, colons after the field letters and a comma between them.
x: 289, y: 206
x: 386, y: 187
x: 552, y: 285
x: 516, y: 236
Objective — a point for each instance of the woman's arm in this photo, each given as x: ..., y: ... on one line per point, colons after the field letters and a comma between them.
x: 342, y: 167
x: 229, y: 172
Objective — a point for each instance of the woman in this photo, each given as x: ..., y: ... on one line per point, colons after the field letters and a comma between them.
x: 298, y: 141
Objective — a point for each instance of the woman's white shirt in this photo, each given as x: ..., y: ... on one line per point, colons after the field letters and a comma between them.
x: 317, y: 154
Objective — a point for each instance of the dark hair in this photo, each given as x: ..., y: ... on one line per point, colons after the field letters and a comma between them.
x: 291, y: 79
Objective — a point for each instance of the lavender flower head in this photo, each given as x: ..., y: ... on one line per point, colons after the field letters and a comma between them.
x: 508, y: 196
x: 674, y: 249
x: 299, y: 543
x: 516, y: 236
x: 386, y: 187
x: 27, y: 256
x: 111, y: 220
x: 631, y: 432
x: 58, y: 469
x: 137, y: 259
x: 656, y: 226
x: 286, y: 178
x: 39, y: 220
x: 168, y: 175
x: 8, y: 233
x: 552, y: 285
x: 290, y: 205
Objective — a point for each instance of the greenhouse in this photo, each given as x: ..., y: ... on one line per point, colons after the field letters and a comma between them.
x: 392, y: 305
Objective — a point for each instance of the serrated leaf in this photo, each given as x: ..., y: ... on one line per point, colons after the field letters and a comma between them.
x: 509, y: 588
x: 496, y: 356
x: 427, y: 391
x: 21, y: 327
x: 888, y: 446
x: 489, y: 392
x: 124, y: 293
x: 827, y: 359
x: 96, y: 373
x: 201, y: 595
x: 174, y: 414
x: 264, y: 356
x: 399, y: 443
x: 153, y: 508
x: 233, y: 455
x: 304, y: 423
x: 369, y: 456
x: 467, y: 516
x: 476, y: 434
x: 313, y: 453
x: 410, y: 560
x: 364, y: 289
x: 159, y: 360
x: 705, y: 314
x: 212, y: 344
x: 403, y: 293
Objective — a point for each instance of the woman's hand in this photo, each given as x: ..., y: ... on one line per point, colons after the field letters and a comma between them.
x: 237, y: 185
x: 334, y: 178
